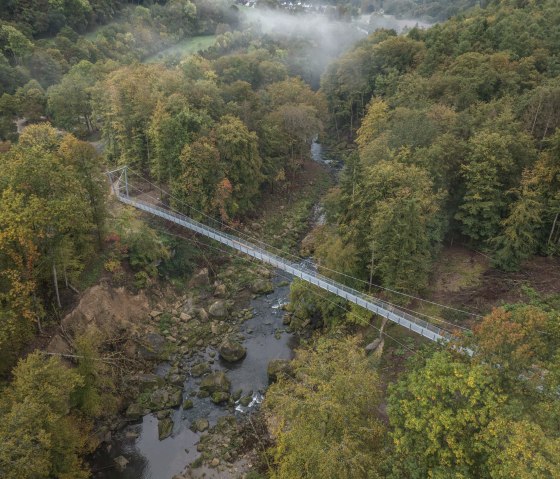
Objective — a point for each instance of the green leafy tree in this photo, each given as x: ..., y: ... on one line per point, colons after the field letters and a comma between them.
x: 197, y: 186
x: 90, y: 172
x: 39, y: 438
x: 398, y: 225
x: 54, y: 197
x: 325, y: 414
x: 241, y: 162
x: 487, y: 172
x: 70, y: 102
x: 439, y: 413
x: 172, y: 126
x: 521, y: 230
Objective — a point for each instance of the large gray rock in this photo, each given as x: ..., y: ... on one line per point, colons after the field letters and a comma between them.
x: 165, y: 398
x: 134, y: 411
x: 262, y: 286
x: 148, y: 381
x: 277, y: 367
x: 200, y: 369
x: 372, y: 347
x: 152, y: 346
x: 201, y: 278
x: 219, y: 397
x: 231, y: 350
x: 200, y: 425
x: 120, y: 463
x: 214, y: 382
x: 218, y: 309
x: 165, y: 428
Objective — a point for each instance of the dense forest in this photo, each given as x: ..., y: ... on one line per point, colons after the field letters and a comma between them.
x: 445, y: 136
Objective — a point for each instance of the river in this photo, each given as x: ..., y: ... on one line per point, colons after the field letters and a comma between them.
x: 150, y: 458
x: 265, y: 338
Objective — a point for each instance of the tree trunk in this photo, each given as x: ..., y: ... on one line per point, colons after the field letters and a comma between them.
x: 553, y: 228
x: 55, y: 281
x: 536, y: 115
x: 371, y: 269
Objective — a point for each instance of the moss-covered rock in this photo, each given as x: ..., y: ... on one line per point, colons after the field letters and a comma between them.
x: 134, y: 411
x: 200, y: 369
x: 262, y: 286
x: 218, y: 309
x: 165, y: 428
x: 214, y: 382
x: 231, y: 350
x: 245, y: 401
x: 276, y: 367
x: 200, y: 425
x: 167, y: 397
x: 219, y: 397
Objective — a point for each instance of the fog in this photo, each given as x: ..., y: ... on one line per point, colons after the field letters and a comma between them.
x: 316, y: 38
x: 321, y: 39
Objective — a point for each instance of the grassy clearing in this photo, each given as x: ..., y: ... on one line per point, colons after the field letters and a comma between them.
x: 457, y: 269
x: 187, y: 46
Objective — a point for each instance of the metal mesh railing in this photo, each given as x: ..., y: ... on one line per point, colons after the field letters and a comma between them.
x: 380, y: 307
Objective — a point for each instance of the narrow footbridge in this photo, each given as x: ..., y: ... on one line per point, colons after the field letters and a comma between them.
x: 428, y: 330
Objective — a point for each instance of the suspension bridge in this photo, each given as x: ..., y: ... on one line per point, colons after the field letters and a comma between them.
x: 121, y: 188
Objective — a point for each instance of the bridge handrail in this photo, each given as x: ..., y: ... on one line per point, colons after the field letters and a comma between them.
x: 382, y: 307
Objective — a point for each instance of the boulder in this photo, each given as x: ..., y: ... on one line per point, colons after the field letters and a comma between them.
x: 219, y: 397
x: 245, y: 401
x: 164, y: 413
x: 120, y: 463
x: 262, y: 286
x: 220, y: 290
x: 176, y: 379
x: 134, y: 411
x: 188, y: 404
x: 167, y: 397
x: 154, y: 314
x: 147, y: 381
x: 165, y: 428
x: 200, y: 425
x: 199, y: 369
x: 276, y: 367
x: 152, y: 346
x: 214, y: 382
x: 200, y: 278
x: 218, y: 309
x: 185, y: 317
x: 231, y: 350
x: 175, y: 397
x: 202, y: 314
x: 371, y: 347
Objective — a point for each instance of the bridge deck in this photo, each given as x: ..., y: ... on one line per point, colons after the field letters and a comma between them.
x: 424, y: 328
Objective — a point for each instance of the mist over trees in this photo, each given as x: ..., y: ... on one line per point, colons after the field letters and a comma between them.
x: 458, y: 107
x: 447, y: 134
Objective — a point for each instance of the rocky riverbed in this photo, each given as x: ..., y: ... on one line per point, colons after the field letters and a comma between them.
x: 210, y: 353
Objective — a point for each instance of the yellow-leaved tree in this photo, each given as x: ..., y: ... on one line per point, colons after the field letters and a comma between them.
x: 325, y: 415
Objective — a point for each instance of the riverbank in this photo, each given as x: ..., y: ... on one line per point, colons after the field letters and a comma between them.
x: 189, y: 408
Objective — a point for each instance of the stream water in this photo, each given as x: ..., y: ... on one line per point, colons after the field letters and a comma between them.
x: 150, y: 458
x: 265, y: 339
